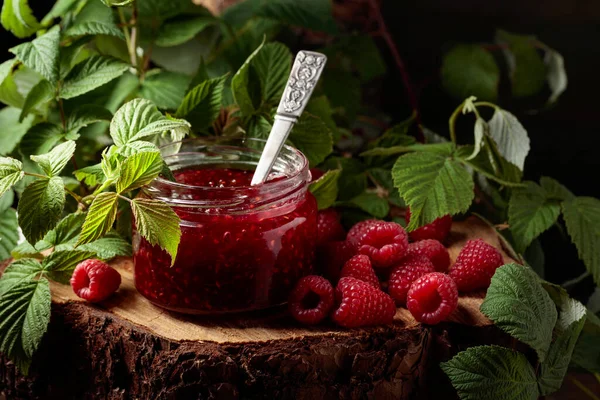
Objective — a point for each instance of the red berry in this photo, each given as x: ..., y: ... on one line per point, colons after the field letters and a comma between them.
x: 332, y: 256
x: 404, y: 274
x: 311, y: 300
x: 329, y: 227
x: 384, y: 242
x: 475, y: 265
x: 94, y: 280
x: 433, y: 250
x: 359, y: 229
x: 360, y: 304
x: 432, y: 298
x: 316, y: 173
x: 359, y: 267
x: 438, y: 229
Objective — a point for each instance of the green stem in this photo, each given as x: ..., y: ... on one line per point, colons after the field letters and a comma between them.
x: 36, y: 175
x: 486, y: 104
x: 124, y: 198
x: 452, y: 122
x: 62, y: 114
x: 129, y: 36
x: 75, y: 196
x: 583, y: 388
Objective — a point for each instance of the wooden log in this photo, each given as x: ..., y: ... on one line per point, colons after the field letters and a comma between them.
x: 127, y: 348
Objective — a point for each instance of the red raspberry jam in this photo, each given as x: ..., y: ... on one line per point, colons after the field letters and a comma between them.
x: 242, y: 247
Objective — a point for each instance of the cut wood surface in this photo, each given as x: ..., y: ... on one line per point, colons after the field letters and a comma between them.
x: 126, y: 348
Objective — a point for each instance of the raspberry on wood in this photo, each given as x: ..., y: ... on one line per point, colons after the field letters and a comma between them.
x: 433, y: 250
x: 432, y: 298
x: 311, y: 300
x: 475, y: 265
x: 94, y: 280
x: 384, y: 242
x: 404, y: 274
x: 360, y: 267
x: 360, y: 304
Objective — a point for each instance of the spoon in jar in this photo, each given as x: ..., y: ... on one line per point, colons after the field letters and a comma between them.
x: 303, y: 78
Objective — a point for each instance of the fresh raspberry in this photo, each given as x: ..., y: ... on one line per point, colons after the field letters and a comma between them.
x: 329, y: 227
x: 332, y: 256
x: 433, y: 250
x: 384, y: 242
x: 311, y: 300
x: 316, y: 173
x: 360, y: 304
x: 359, y: 229
x: 475, y: 265
x: 438, y: 229
x: 432, y: 298
x: 360, y: 267
x: 404, y: 274
x: 94, y: 280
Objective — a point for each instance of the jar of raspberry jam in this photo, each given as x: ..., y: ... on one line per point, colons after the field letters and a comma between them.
x: 242, y: 247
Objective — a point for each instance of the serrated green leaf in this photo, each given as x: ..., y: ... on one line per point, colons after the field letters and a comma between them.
x: 66, y: 231
x: 568, y: 327
x: 41, y: 54
x: 138, y: 146
x: 397, y: 135
x: 40, y: 139
x: 184, y: 58
x: 470, y: 70
x: 18, y: 18
x: 535, y: 258
x: 343, y: 90
x: 490, y: 163
x: 165, y: 89
x: 372, y: 204
x: 311, y: 14
x: 258, y: 127
x: 9, y: 234
x: 60, y: 8
x: 11, y: 172
x: 272, y: 65
x: 25, y: 250
x: 161, y: 8
x: 554, y: 190
x: 313, y: 138
x: 510, y: 137
x: 84, y: 116
x: 7, y: 200
x: 491, y: 372
x: 9, y: 117
x: 361, y: 52
x: 325, y: 189
x: 90, y: 74
x: 182, y: 29
x: 245, y: 85
x: 139, y: 170
x: 55, y: 161
x: 73, y: 54
x: 100, y: 217
x: 202, y: 104
x: 18, y: 272
x: 6, y: 68
x: 352, y: 180
x: 587, y: 349
x: 433, y: 185
x: 441, y: 148
x: 582, y: 217
x: 519, y: 305
x: 40, y: 207
x: 158, y: 224
x: 59, y: 265
x: 25, y: 314
x: 41, y: 93
x: 108, y: 247
x: 530, y: 213
x: 95, y: 28
x: 320, y: 106
x: 556, y: 74
x: 92, y: 175
x: 165, y: 124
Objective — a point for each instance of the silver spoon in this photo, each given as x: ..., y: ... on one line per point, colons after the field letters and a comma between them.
x: 305, y: 73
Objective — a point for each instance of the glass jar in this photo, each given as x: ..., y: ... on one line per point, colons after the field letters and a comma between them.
x: 242, y: 247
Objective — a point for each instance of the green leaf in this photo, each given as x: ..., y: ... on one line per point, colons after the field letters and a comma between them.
x: 433, y: 185
x: 9, y: 234
x: 25, y: 314
x: 361, y: 52
x: 343, y: 90
x: 491, y: 372
x: 519, y: 305
x: 40, y: 139
x: 6, y: 68
x: 530, y: 212
x: 258, y: 127
x: 397, y: 135
x: 55, y: 161
x: 41, y: 93
x: 441, y: 148
x: 312, y: 137
x: 7, y: 200
x: 161, y: 8
x: 110, y: 246
x: 184, y: 58
x: 582, y: 217
x: 100, y: 218
x: 556, y: 74
x: 139, y: 170
x: 11, y: 172
x: 9, y: 117
x: 59, y: 265
x: 245, y: 85
x: 117, y: 3
x: 272, y: 65
x: 490, y: 163
x: 587, y: 350
x: 85, y: 115
x: 18, y: 272
x: 73, y: 54
x: 568, y: 328
x: 165, y: 89
x: 92, y: 175
x: 41, y: 54
x: 510, y: 137
x: 470, y: 70
x: 202, y: 104
x: 17, y: 17
x: 311, y: 14
x: 95, y: 19
x: 90, y: 74
x: 320, y: 106
x: 325, y: 189
x: 65, y: 232
x: 40, y: 207
x: 158, y: 224
x: 182, y: 29
x: 352, y: 180
x: 554, y: 190
x: 372, y: 204
x: 60, y: 8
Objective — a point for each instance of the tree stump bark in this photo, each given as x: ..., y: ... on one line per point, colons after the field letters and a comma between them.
x: 126, y: 348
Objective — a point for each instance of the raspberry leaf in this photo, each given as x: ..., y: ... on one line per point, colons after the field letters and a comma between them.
x: 158, y: 224
x: 531, y: 211
x: 587, y: 349
x: 90, y: 74
x: 164, y: 88
x: 371, y: 203
x: 491, y: 372
x: 433, y: 185
x: 519, y: 305
x: 109, y: 246
x: 53, y: 162
x: 511, y: 138
x: 9, y: 234
x: 582, y: 217
x: 59, y: 265
x: 272, y: 65
x: 325, y: 189
x: 84, y: 116
x: 245, y: 85
x: 138, y: 170
x: 17, y: 272
x: 100, y: 217
x: 40, y: 207
x: 9, y: 116
x: 312, y: 14
x: 11, y: 172
x: 41, y: 54
x: 25, y: 313
x: 554, y: 190
x: 91, y: 175
x: 41, y: 93
x: 202, y: 104
x: 18, y: 18
x: 180, y: 30
x: 312, y: 137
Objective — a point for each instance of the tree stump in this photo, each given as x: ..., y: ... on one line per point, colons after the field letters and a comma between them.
x: 127, y: 348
